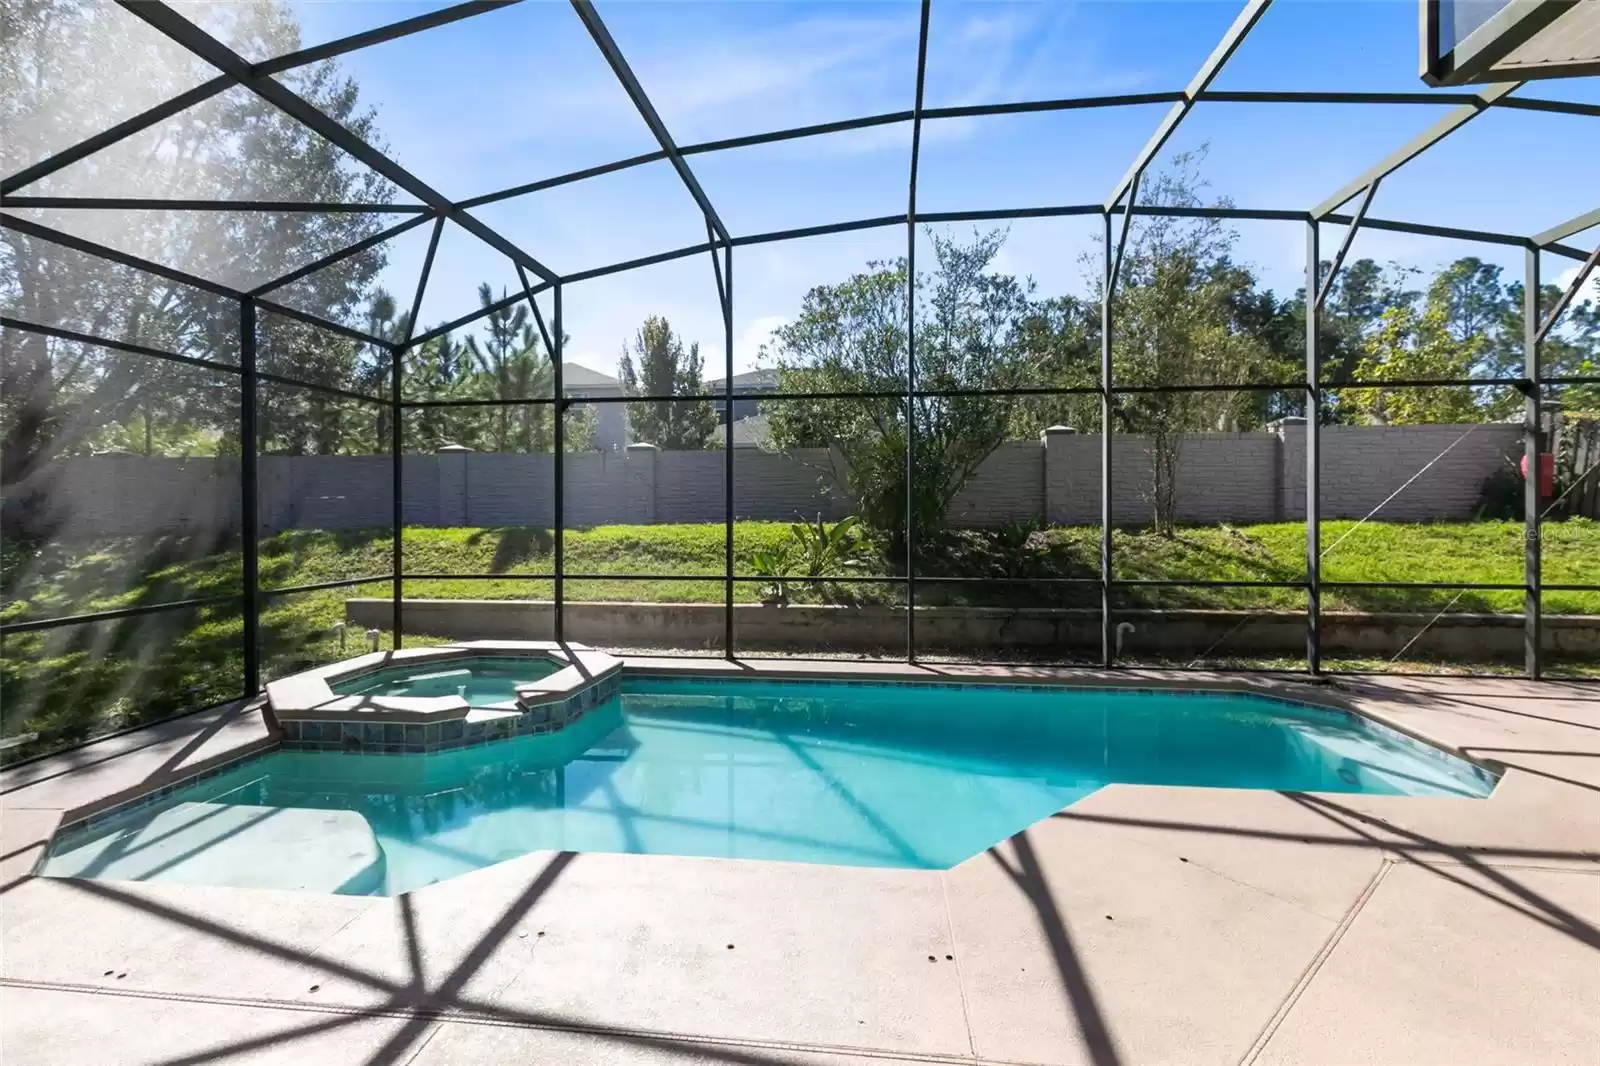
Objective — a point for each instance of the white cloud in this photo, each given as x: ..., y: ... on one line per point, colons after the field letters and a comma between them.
x: 755, y: 72
x: 1591, y: 287
x: 747, y: 346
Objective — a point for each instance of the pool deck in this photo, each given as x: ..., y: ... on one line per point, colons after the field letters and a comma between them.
x: 1140, y: 925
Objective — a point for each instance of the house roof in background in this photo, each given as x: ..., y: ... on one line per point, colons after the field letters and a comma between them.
x: 578, y: 376
x: 751, y: 432
x: 750, y: 379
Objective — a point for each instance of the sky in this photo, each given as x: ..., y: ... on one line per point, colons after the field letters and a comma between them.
x: 522, y: 93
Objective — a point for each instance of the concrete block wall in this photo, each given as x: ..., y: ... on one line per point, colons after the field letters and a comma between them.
x: 422, y: 504
x: 1232, y: 477
x: 116, y: 495
x: 309, y: 492
x: 1361, y: 465
x: 1292, y: 473
x: 496, y: 489
x: 790, y: 486
x: 1008, y: 487
x: 1222, y: 477
x: 596, y: 489
x: 688, y: 486
x: 1072, y: 477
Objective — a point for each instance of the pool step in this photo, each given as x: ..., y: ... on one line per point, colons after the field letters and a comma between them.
x: 235, y: 845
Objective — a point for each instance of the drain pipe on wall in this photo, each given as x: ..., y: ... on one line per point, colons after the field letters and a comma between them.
x: 1122, y: 629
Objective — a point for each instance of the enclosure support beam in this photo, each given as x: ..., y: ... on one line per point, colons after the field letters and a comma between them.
x: 249, y: 477
x: 1570, y: 227
x: 1313, y: 440
x: 630, y: 84
x: 397, y: 487
x: 1569, y: 295
x: 1344, y: 246
x: 1122, y: 240
x: 1059, y: 211
x: 90, y: 145
x: 367, y: 38
x: 1108, y: 637
x: 1248, y: 17
x: 397, y: 442
x: 422, y: 282
x: 724, y: 279
x: 342, y: 254
x: 716, y: 265
x: 1416, y: 146
x: 111, y: 255
x: 558, y: 496
x: 163, y: 18
x: 483, y: 312
x: 911, y: 341
x: 726, y: 294
x: 1532, y: 501
x: 538, y: 315
x: 1029, y: 107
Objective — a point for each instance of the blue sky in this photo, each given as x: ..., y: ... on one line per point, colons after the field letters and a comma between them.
x: 522, y: 93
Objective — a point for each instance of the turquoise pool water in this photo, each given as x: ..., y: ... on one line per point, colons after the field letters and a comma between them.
x: 860, y: 774
x: 484, y: 681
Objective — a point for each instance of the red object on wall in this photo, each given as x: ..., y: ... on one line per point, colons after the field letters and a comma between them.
x: 1547, y: 473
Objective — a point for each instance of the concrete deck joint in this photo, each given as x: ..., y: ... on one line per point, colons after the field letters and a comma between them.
x: 1316, y: 964
x: 443, y: 1017
x: 955, y: 950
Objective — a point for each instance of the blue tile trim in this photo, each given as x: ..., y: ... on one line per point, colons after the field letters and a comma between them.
x: 411, y: 739
x: 1365, y: 722
x: 150, y: 799
x: 365, y: 737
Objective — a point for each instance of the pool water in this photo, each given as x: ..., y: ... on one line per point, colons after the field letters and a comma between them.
x: 484, y: 681
x: 860, y: 774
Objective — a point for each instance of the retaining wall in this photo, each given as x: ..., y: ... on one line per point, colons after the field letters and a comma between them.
x: 985, y: 630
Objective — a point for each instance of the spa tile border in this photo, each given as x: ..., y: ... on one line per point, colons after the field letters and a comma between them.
x: 423, y: 738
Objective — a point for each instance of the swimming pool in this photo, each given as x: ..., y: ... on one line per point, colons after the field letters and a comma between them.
x: 901, y: 775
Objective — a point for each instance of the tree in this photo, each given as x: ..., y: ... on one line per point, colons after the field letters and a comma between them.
x: 1572, y: 348
x: 1413, y: 347
x: 1061, y: 336
x: 510, y: 366
x: 657, y: 365
x: 1185, y: 314
x: 56, y: 398
x: 1361, y: 294
x: 437, y: 369
x: 976, y: 329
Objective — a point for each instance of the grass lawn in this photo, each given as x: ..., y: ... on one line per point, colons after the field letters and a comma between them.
x: 72, y: 682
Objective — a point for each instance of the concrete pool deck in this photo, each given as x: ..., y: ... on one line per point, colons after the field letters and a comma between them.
x: 1140, y: 925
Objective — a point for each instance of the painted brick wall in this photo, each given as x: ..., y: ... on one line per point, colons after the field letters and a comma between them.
x: 1361, y: 465
x: 1008, y: 487
x: 1234, y: 477
x: 1220, y: 477
x: 314, y: 492
x: 113, y: 495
